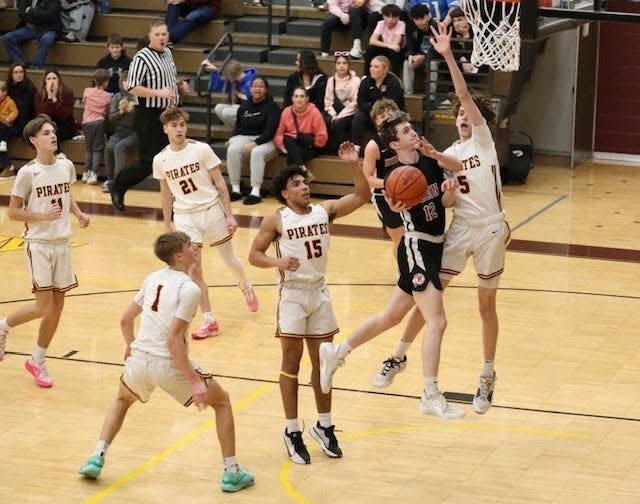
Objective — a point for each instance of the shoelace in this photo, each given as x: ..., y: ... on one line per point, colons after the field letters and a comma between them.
x: 485, y: 386
x: 389, y: 364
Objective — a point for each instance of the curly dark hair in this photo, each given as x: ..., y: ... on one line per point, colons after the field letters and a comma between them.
x: 483, y: 102
x: 281, y: 179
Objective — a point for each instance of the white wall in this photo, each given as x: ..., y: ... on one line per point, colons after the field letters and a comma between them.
x: 545, y: 110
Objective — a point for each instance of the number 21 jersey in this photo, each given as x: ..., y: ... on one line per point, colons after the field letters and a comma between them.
x: 187, y: 174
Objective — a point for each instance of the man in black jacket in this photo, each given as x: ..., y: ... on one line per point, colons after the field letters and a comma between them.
x: 38, y: 21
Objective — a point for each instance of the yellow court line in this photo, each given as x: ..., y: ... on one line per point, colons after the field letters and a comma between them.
x: 183, y: 441
x: 285, y: 470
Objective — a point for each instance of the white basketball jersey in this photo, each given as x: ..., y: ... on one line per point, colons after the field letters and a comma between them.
x: 165, y: 294
x: 187, y: 173
x: 480, y: 191
x: 305, y: 237
x: 40, y: 186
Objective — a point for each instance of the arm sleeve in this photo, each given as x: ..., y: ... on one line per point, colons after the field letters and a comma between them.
x: 139, y: 297
x: 481, y: 134
x: 273, y: 117
x: 320, y: 129
x: 363, y: 96
x: 22, y: 185
x: 210, y: 158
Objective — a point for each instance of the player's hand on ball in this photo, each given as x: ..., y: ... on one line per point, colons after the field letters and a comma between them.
x: 395, y: 206
x: 288, y: 263
x: 450, y: 184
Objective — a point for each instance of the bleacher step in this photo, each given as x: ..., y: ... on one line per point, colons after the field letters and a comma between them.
x: 306, y: 27
x: 258, y: 24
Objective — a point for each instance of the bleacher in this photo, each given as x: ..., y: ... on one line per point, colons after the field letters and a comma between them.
x: 248, y: 26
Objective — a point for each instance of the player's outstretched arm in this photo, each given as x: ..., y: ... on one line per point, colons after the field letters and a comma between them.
x: 441, y: 42
x: 360, y: 195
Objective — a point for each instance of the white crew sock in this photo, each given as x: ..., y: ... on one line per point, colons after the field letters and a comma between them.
x: 430, y: 385
x: 343, y: 349
x: 255, y: 191
x: 324, y: 419
x: 487, y: 370
x: 230, y: 464
x: 293, y: 425
x: 235, y: 188
x: 401, y: 351
x: 38, y: 354
x: 101, y: 448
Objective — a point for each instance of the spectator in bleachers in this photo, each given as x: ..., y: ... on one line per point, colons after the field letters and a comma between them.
x: 380, y: 83
x: 22, y: 91
x: 124, y: 136
x: 375, y: 16
x: 8, y: 130
x: 302, y: 131
x: 253, y: 134
x: 235, y: 80
x: 440, y: 9
x: 341, y: 100
x: 116, y: 61
x: 462, y: 40
x: 77, y: 16
x: 419, y: 47
x: 388, y: 39
x: 39, y: 20
x: 96, y: 102
x: 309, y: 76
x: 192, y: 12
x: 343, y: 16
x: 56, y: 100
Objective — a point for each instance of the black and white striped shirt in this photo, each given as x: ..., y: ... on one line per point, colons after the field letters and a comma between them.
x: 154, y: 70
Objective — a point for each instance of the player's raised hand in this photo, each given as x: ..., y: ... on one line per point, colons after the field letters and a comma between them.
x: 288, y: 263
x: 441, y: 40
x: 426, y: 148
x: 348, y: 152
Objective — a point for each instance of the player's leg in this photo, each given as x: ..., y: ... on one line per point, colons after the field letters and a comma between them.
x: 209, y: 326
x: 234, y: 478
x: 333, y: 356
x: 432, y: 308
x: 292, y: 349
x: 237, y: 269
x: 49, y: 305
x: 111, y: 426
x: 323, y: 430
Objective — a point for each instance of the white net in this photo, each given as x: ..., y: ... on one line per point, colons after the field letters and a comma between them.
x: 496, y: 33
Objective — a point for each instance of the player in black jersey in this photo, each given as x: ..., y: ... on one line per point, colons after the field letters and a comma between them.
x: 419, y: 255
x: 378, y: 161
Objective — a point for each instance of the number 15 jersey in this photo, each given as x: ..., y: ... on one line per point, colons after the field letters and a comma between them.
x: 187, y: 174
x: 305, y: 237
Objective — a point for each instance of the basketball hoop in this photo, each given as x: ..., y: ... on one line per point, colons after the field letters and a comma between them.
x: 496, y: 33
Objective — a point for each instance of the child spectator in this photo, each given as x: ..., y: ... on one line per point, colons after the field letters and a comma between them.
x: 302, y: 131
x: 116, y: 62
x: 341, y: 100
x: 308, y: 75
x: 56, y: 100
x: 123, y: 137
x: 344, y: 15
x: 8, y: 115
x: 94, y: 119
x: 236, y: 81
x: 419, y: 47
x: 388, y: 39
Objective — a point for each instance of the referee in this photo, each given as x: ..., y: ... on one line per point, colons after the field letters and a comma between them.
x: 153, y: 82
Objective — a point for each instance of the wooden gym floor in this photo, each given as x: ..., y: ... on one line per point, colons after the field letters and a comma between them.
x: 565, y: 425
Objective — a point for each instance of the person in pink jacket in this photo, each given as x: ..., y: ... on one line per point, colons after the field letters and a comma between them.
x: 302, y: 131
x: 345, y: 15
x: 96, y: 102
x: 341, y: 100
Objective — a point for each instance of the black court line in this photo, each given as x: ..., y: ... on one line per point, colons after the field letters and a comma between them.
x: 220, y: 286
x: 455, y: 397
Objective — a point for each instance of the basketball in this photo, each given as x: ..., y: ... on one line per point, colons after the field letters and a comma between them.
x: 406, y: 184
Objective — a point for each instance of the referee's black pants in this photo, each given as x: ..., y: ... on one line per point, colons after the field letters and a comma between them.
x: 151, y: 140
